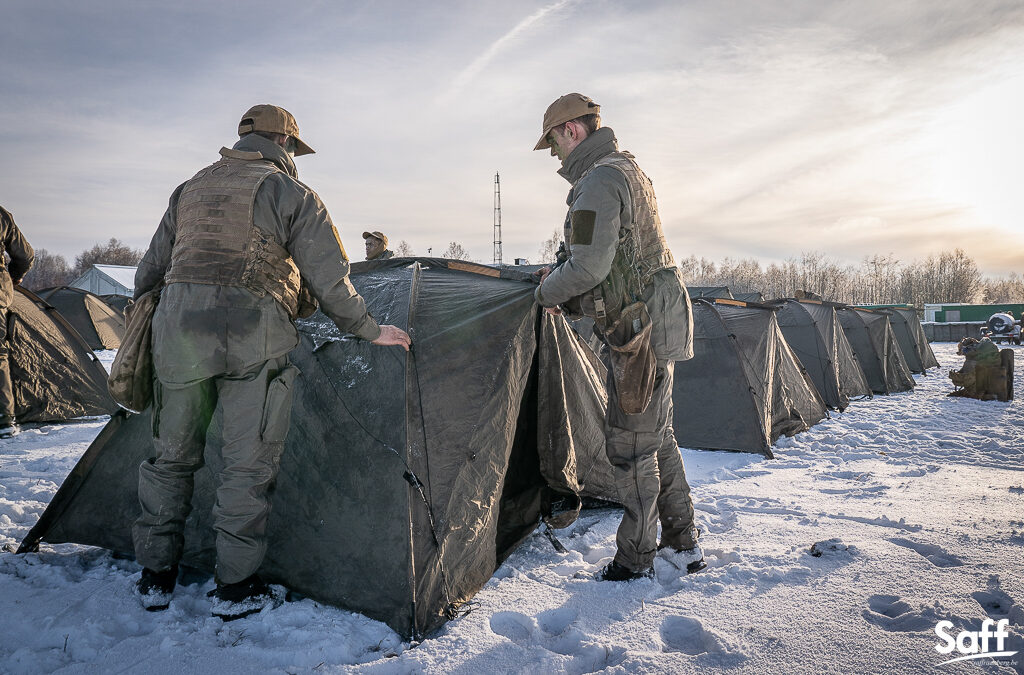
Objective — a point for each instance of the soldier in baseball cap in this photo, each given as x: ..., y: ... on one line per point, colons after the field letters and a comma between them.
x: 639, y: 284
x: 377, y: 246
x: 564, y: 109
x: 270, y: 118
x: 239, y: 252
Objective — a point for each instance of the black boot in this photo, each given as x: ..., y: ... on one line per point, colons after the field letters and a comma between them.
x: 156, y: 588
x: 616, y: 572
x: 8, y: 427
x: 242, y: 598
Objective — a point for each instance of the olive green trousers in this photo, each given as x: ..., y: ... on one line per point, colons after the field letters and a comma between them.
x: 255, y: 407
x: 649, y: 476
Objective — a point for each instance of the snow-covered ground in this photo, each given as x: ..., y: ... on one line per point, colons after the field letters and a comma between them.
x: 922, y: 494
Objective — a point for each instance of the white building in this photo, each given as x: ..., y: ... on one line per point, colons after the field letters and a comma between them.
x: 108, y: 280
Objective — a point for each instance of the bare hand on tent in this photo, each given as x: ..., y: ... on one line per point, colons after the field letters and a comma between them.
x: 393, y: 335
x: 543, y: 273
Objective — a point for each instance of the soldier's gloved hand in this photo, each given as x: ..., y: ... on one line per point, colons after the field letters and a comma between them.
x: 542, y: 273
x: 393, y: 335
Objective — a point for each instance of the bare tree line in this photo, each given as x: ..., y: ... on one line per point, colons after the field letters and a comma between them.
x: 52, y: 269
x: 949, y: 276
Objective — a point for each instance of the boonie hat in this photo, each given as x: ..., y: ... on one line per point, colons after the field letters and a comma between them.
x: 265, y: 117
x: 379, y: 235
x: 566, y: 108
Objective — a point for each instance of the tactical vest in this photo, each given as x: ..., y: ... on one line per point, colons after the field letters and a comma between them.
x: 641, y: 250
x: 218, y: 243
x: 654, y: 254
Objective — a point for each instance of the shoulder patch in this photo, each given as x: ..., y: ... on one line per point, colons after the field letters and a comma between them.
x: 583, y: 227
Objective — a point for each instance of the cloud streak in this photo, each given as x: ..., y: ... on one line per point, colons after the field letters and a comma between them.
x: 767, y: 127
x: 531, y: 22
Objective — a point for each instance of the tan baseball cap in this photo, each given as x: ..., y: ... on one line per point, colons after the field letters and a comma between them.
x: 379, y: 235
x: 276, y: 120
x: 566, y: 108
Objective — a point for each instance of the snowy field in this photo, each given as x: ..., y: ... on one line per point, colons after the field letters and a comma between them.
x: 923, y: 495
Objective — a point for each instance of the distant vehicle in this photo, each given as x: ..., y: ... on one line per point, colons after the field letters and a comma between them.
x: 1002, y: 327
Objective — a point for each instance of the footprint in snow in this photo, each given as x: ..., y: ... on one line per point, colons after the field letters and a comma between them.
x: 513, y: 625
x: 997, y: 604
x: 555, y: 621
x: 553, y: 630
x: 892, y: 613
x: 689, y: 636
x: 936, y: 555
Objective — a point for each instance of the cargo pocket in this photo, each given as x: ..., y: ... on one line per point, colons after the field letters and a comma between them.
x: 278, y: 406
x: 632, y: 359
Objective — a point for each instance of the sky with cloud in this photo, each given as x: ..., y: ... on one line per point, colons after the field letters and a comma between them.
x: 769, y: 128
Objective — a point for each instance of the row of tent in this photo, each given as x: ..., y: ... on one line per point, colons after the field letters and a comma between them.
x: 51, y: 339
x: 423, y: 471
x: 723, y: 293
x: 98, y: 319
x: 55, y: 372
x: 761, y: 371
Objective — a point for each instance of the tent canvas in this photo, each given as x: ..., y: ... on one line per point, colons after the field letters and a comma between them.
x: 116, y: 302
x: 98, y: 323
x: 722, y: 292
x: 874, y: 345
x: 56, y: 375
x: 911, y: 339
x: 815, y: 335
x: 406, y: 478
x: 744, y: 387
x: 752, y: 296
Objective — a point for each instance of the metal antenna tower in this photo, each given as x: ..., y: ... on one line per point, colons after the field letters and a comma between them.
x: 497, y: 219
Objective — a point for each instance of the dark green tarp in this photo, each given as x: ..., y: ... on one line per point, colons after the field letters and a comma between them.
x: 406, y: 479
x: 874, y: 345
x: 116, y: 302
x: 744, y: 387
x: 56, y: 375
x: 752, y: 296
x: 815, y: 335
x: 911, y: 339
x: 722, y: 292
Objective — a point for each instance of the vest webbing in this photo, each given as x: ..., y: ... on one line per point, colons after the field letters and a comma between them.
x: 654, y: 252
x: 217, y: 242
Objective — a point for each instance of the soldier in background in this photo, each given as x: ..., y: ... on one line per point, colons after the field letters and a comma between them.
x: 377, y: 246
x: 612, y: 230
x: 232, y: 250
x: 12, y: 271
